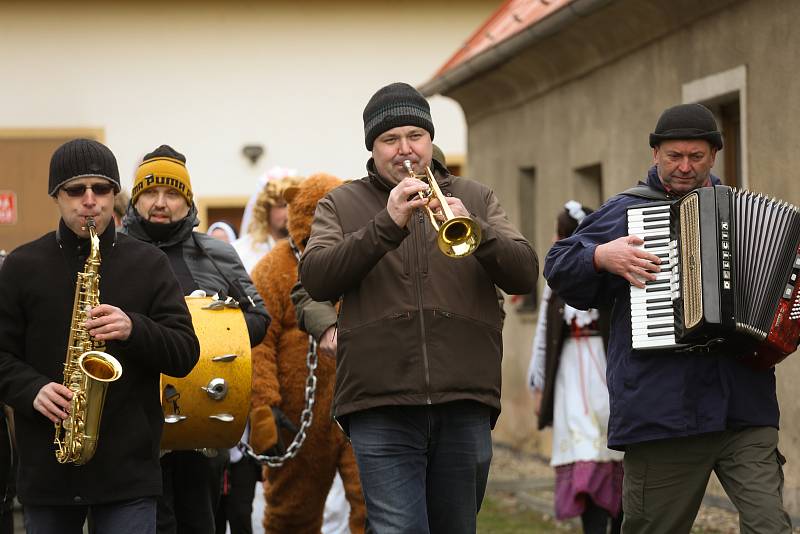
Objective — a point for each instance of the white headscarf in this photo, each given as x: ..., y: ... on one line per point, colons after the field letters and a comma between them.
x: 225, y: 227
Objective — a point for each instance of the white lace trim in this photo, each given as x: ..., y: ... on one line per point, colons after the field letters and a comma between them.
x: 582, y: 318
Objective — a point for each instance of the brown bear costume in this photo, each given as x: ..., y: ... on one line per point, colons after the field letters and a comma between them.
x: 296, y: 492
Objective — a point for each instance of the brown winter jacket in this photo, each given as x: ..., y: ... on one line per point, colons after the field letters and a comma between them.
x: 415, y: 327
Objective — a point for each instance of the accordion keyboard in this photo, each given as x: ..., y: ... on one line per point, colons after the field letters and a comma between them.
x: 652, y: 313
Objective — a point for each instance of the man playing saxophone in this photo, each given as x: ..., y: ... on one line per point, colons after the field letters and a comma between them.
x: 141, y: 319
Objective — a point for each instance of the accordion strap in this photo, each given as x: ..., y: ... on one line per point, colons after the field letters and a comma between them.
x: 643, y: 190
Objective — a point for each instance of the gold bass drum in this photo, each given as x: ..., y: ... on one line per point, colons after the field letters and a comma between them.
x: 208, y: 408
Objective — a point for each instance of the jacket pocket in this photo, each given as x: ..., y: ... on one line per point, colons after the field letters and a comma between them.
x: 464, y: 354
x: 644, y: 411
x: 380, y: 358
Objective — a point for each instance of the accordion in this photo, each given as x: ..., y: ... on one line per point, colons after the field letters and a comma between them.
x: 730, y: 261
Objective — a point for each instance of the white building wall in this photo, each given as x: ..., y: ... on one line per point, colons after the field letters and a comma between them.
x: 211, y: 77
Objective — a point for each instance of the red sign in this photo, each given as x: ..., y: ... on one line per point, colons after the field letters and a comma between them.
x: 8, y: 207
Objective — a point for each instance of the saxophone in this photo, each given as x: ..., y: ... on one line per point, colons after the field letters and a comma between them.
x: 88, y: 369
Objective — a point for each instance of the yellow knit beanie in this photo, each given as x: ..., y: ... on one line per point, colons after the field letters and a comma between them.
x: 163, y: 167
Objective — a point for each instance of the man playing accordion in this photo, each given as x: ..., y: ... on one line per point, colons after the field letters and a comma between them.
x: 677, y: 415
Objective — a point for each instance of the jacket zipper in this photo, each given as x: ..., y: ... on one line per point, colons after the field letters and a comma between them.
x: 417, y: 241
x: 12, y: 467
x: 338, y: 312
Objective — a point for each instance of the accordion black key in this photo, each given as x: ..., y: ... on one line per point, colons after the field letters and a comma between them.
x: 730, y: 268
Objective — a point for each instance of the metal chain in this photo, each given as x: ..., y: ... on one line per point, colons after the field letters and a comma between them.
x: 307, y: 415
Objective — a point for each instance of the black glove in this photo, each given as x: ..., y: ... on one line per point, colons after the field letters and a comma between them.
x: 265, y: 430
x: 281, y: 422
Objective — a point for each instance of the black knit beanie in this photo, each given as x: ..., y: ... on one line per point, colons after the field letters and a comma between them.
x: 687, y: 121
x: 79, y: 158
x: 165, y: 151
x: 397, y: 104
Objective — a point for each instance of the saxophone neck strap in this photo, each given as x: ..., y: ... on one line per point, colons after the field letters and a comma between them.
x: 62, y: 229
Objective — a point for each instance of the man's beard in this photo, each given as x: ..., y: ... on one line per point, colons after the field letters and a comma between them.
x: 283, y: 232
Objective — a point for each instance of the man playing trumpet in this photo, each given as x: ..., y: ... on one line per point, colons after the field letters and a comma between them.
x: 419, y: 332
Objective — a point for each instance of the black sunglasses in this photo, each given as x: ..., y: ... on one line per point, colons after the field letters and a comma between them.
x: 100, y: 189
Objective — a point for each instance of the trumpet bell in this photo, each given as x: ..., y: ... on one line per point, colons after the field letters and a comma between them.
x: 459, y: 237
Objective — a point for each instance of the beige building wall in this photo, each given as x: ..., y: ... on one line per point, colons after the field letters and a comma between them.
x: 211, y: 77
x: 591, y: 94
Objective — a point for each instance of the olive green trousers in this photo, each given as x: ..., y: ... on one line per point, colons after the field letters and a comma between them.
x: 665, y: 481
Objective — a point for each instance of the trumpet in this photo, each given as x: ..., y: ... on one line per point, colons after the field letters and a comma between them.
x: 457, y: 237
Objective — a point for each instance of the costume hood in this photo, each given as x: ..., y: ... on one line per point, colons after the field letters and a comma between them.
x: 302, y: 202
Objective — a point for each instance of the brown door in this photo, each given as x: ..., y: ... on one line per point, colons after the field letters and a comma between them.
x: 228, y: 214
x: 24, y: 171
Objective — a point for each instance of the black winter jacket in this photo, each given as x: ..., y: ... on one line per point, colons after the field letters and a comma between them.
x: 37, y: 290
x: 214, y: 266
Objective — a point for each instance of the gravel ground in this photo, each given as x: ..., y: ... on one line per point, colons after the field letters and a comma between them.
x: 525, y: 480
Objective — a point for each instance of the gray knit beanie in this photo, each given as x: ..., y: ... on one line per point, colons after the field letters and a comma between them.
x: 397, y: 104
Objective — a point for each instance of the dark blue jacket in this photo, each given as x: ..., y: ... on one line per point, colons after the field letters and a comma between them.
x: 654, y: 396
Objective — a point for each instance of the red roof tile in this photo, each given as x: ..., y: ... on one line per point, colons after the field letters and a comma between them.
x: 509, y: 19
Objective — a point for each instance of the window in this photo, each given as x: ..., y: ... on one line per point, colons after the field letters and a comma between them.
x: 527, y: 225
x: 725, y: 94
x: 729, y: 120
x: 588, y: 185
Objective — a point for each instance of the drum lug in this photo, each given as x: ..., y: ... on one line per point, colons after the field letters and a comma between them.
x: 216, y: 389
x: 174, y: 418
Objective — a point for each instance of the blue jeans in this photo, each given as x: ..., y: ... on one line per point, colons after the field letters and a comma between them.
x: 423, y: 468
x: 125, y: 517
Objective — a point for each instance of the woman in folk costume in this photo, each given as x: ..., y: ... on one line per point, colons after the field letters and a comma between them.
x: 567, y: 375
x: 296, y: 492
